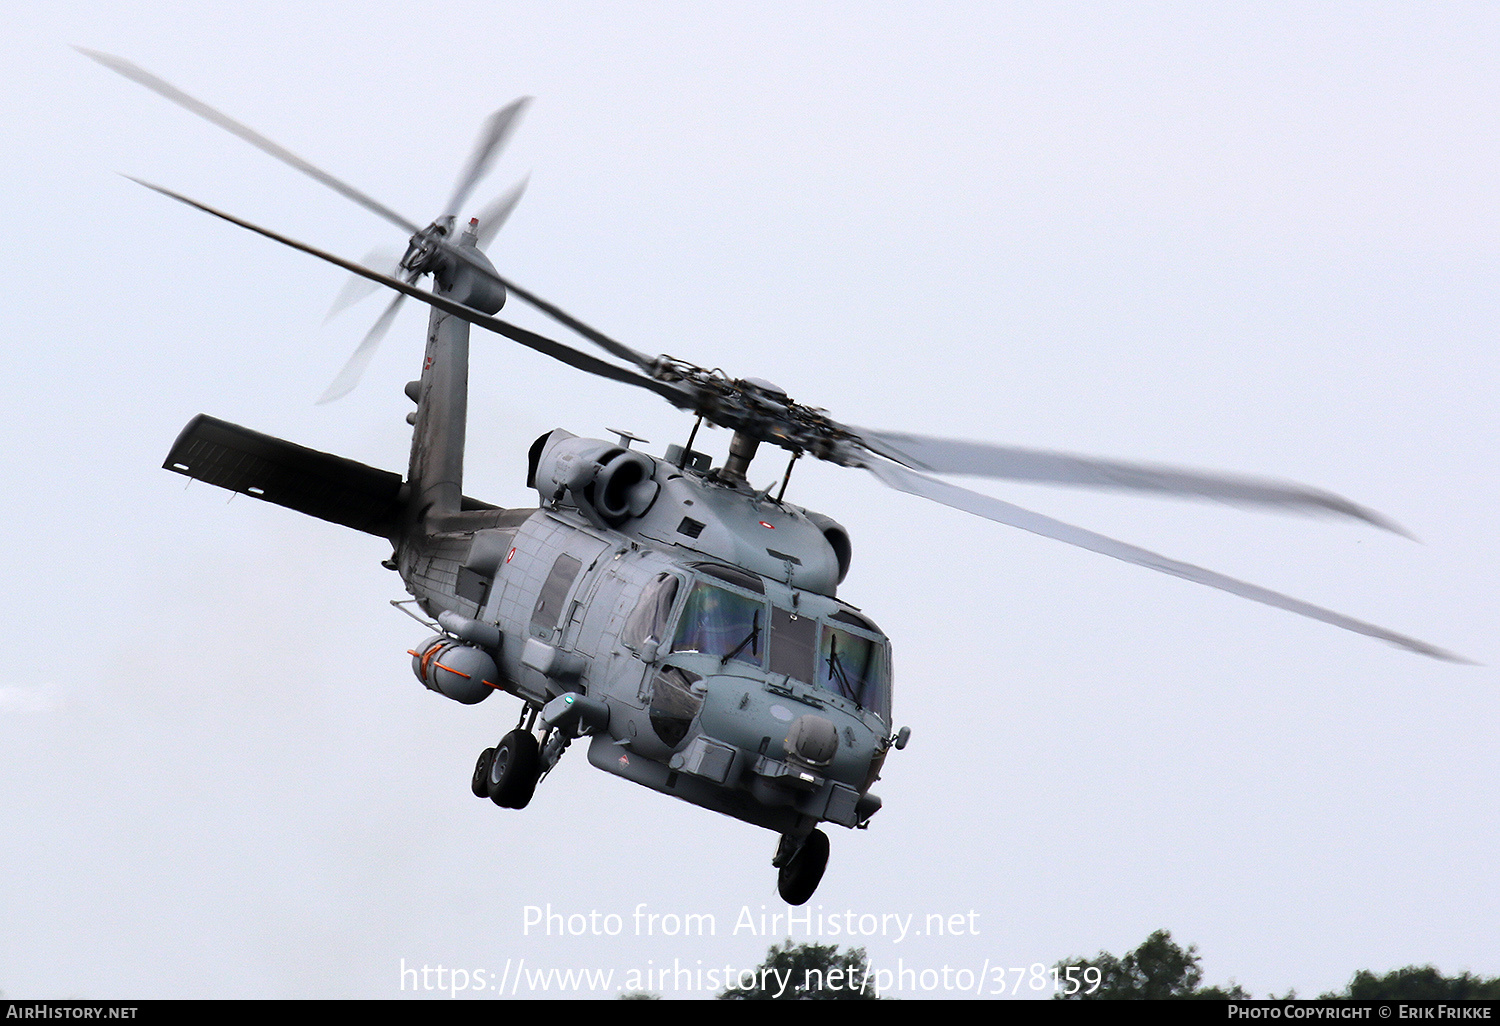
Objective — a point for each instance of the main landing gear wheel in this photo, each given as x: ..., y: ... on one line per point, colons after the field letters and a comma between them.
x: 804, y: 870
x: 514, y: 769
x: 480, y: 783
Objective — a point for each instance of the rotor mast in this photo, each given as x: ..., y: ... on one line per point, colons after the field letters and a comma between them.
x: 742, y: 448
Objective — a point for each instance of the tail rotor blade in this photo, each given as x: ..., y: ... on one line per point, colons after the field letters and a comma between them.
x: 355, y: 368
x: 357, y: 288
x: 492, y: 137
x: 493, y: 217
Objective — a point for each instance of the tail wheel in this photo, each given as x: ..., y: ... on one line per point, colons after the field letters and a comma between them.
x: 514, y: 769
x: 480, y: 783
x: 804, y: 871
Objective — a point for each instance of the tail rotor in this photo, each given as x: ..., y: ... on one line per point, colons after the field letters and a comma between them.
x: 427, y: 250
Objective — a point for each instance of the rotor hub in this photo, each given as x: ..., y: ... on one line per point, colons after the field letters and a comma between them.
x: 758, y: 410
x: 424, y: 249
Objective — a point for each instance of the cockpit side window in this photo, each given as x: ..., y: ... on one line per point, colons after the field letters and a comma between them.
x: 856, y: 668
x: 674, y: 703
x: 647, y: 622
x: 719, y: 622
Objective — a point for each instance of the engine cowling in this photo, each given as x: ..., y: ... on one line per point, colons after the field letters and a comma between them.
x: 609, y: 481
x: 837, y: 538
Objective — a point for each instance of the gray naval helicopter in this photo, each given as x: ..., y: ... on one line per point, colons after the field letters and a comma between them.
x: 685, y: 622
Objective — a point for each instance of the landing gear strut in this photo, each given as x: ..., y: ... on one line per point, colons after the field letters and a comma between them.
x: 801, y: 866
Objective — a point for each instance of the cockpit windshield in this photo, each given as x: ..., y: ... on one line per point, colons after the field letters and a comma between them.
x: 794, y: 645
x: 845, y: 656
x: 721, y: 623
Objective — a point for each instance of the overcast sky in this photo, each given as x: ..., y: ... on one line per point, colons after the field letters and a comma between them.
x: 1260, y: 237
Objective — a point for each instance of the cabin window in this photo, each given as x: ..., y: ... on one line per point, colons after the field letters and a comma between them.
x: 549, y: 605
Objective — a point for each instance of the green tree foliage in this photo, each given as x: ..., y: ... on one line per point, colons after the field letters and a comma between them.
x: 1156, y: 970
x: 1414, y: 983
x: 808, y: 972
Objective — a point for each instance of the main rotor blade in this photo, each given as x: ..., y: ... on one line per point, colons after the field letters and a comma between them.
x: 493, y: 217
x: 529, y: 339
x: 254, y: 138
x: 911, y: 482
x: 600, y: 339
x: 355, y: 368
x: 492, y: 136
x: 981, y: 459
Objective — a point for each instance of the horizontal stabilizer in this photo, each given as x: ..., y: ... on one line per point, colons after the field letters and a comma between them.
x: 319, y: 484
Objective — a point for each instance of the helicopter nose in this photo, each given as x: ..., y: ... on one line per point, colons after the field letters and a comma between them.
x: 812, y: 740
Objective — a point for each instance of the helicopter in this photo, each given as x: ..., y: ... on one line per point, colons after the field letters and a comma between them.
x: 684, y: 622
